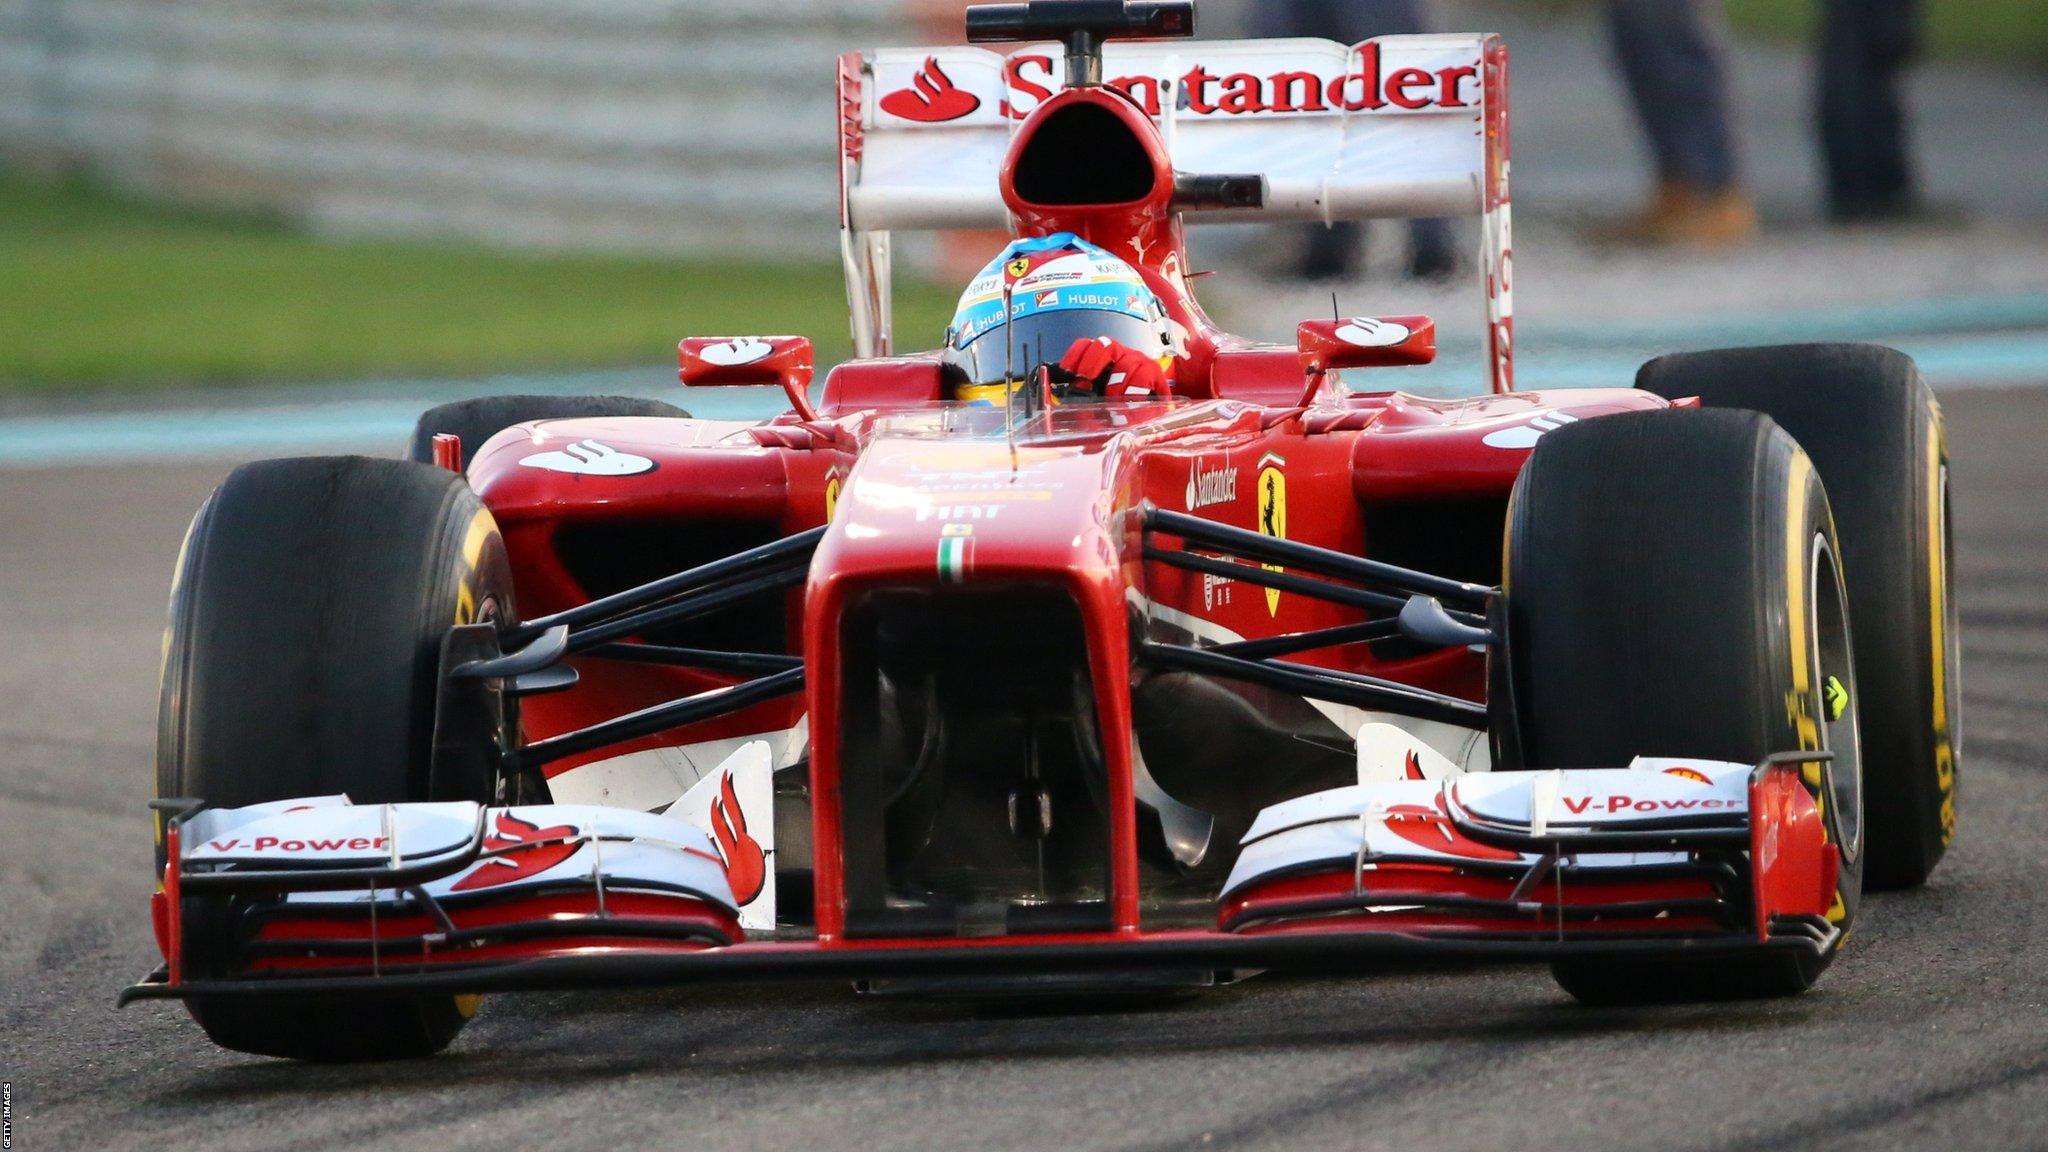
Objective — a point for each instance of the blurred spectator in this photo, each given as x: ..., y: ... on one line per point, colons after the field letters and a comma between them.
x: 1865, y: 47
x: 1335, y: 251
x: 1674, y: 59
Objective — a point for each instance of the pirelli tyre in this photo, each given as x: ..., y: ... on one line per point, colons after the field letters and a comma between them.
x: 1874, y: 431
x: 1674, y: 588
x: 306, y: 619
x: 476, y: 421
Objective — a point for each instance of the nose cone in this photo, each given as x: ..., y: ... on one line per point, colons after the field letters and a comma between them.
x: 959, y: 512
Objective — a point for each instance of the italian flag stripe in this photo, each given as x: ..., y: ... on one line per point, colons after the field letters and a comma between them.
x: 953, y: 559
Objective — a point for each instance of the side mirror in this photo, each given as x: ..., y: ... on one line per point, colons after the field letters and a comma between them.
x: 1365, y: 342
x: 727, y: 361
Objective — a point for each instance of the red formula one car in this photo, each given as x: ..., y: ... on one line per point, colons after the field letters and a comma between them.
x: 946, y: 682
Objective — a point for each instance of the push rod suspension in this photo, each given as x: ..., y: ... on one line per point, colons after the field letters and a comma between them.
x: 743, y: 663
x: 790, y: 551
x: 659, y: 718
x: 1307, y: 557
x: 1354, y: 689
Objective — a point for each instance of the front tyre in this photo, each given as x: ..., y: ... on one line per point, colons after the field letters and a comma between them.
x: 1874, y: 431
x: 306, y: 621
x: 1674, y: 589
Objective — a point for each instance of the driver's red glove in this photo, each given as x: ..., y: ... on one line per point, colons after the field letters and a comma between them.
x: 1107, y: 368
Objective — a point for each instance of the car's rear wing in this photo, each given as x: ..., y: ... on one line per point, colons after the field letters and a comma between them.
x: 1401, y: 126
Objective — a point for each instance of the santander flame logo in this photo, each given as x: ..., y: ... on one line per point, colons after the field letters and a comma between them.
x: 589, y: 458
x: 932, y: 97
x: 548, y: 847
x: 736, y: 352
x: 746, y: 866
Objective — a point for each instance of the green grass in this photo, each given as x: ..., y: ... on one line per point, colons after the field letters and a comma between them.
x: 99, y: 292
x: 2007, y: 31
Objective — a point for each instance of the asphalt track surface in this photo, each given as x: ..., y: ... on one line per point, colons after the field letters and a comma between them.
x: 1931, y: 1031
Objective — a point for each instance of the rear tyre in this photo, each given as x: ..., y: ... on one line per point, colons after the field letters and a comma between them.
x: 1673, y: 590
x: 476, y: 421
x: 306, y: 621
x: 1874, y: 431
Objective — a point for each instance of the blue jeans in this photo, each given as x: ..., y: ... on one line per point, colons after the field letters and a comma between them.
x: 1865, y: 48
x: 1347, y: 21
x: 1432, y: 244
x: 1674, y: 59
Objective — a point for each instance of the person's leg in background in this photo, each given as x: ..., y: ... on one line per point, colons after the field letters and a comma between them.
x: 1674, y: 62
x: 1433, y: 249
x: 1334, y: 252
x: 1865, y: 49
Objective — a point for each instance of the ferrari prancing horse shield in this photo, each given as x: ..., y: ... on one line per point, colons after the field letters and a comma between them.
x: 1273, y: 515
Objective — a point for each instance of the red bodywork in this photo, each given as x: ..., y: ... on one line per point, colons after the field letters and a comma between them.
x: 1312, y: 464
x: 946, y: 504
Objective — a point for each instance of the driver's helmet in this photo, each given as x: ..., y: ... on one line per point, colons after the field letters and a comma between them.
x: 1061, y: 289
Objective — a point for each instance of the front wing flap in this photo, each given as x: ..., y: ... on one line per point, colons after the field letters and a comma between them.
x: 1662, y: 858
x: 328, y: 888
x: 1665, y: 849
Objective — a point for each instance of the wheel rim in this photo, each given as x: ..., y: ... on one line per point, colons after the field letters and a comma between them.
x: 1842, y: 777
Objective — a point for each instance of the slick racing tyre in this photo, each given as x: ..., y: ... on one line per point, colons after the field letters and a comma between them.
x: 1874, y: 431
x: 306, y: 622
x: 476, y: 421
x: 1674, y: 589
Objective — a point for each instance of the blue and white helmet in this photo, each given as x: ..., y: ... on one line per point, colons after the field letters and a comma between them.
x: 1061, y: 289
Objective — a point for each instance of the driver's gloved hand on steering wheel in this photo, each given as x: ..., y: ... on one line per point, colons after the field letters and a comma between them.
x: 1105, y: 368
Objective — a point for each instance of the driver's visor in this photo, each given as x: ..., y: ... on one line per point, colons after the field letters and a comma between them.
x: 1043, y: 338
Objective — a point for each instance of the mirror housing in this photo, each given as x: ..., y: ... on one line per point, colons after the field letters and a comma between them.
x: 730, y: 361
x: 1365, y: 342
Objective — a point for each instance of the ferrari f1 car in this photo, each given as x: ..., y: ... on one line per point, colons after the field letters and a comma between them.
x: 1280, y: 669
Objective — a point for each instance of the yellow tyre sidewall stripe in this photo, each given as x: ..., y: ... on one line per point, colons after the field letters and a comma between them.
x: 1799, y: 709
x: 1937, y: 615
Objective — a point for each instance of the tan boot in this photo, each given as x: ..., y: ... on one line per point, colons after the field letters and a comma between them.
x: 1718, y: 220
x: 1671, y: 201
x: 1682, y: 216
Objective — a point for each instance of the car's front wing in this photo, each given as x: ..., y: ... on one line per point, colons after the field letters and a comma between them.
x: 321, y: 896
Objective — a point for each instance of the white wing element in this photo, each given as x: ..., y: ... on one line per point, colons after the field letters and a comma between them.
x: 529, y: 846
x: 1416, y: 820
x: 735, y: 806
x: 590, y: 458
x: 1401, y: 126
x: 1387, y: 753
x: 1391, y: 127
x: 650, y: 780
